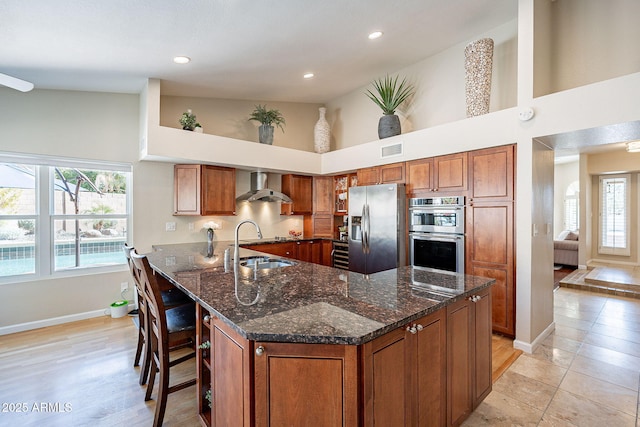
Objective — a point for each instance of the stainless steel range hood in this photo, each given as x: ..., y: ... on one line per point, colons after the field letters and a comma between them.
x: 260, y: 193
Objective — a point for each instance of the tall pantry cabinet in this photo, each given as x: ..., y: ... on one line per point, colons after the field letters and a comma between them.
x: 490, y: 250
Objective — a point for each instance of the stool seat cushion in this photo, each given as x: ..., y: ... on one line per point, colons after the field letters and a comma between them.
x: 181, y: 318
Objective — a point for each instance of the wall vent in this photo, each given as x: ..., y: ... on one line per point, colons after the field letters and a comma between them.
x: 391, y: 150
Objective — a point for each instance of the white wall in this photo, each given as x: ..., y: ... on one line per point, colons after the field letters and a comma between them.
x: 592, y: 41
x: 229, y: 118
x: 440, y: 92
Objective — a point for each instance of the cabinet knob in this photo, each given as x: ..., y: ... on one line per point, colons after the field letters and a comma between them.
x: 259, y: 350
x: 207, y: 319
x: 419, y: 327
x: 412, y: 329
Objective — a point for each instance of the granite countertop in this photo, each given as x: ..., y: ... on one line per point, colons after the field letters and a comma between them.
x: 307, y: 302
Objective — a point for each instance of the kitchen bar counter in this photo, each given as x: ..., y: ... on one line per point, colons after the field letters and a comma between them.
x: 305, y: 302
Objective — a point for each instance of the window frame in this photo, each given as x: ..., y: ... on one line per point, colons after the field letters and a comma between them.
x: 45, y: 215
x: 614, y: 250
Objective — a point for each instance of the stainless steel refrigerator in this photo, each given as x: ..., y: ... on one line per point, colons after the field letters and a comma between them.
x: 376, y: 228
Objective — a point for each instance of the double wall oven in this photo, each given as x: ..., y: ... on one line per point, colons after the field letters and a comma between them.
x: 436, y: 233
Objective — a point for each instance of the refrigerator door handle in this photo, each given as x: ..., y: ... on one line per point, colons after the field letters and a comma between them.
x: 363, y: 229
x: 367, y: 227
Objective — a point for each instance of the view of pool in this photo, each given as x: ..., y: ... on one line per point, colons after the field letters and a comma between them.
x: 18, y: 266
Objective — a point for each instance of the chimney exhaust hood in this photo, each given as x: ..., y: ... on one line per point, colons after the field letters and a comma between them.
x: 260, y: 193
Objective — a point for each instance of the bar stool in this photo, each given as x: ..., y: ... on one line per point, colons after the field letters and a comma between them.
x: 171, y: 296
x: 168, y: 330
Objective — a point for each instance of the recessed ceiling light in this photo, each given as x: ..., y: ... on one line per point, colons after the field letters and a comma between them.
x: 181, y: 59
x: 633, y: 147
x: 375, y: 35
x: 308, y: 75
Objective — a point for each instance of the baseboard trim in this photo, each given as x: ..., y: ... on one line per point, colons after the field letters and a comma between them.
x: 531, y: 347
x: 21, y: 327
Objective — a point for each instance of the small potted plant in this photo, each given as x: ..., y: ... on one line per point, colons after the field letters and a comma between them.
x: 388, y: 96
x: 267, y: 118
x: 188, y: 120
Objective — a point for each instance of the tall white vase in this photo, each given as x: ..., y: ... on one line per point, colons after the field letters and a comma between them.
x: 478, y: 61
x: 321, y: 133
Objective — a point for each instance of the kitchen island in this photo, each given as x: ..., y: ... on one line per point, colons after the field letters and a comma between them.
x: 306, y: 344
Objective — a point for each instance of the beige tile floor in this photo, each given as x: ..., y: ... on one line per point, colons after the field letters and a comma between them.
x: 586, y: 373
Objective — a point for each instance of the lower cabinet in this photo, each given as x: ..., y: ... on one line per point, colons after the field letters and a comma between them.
x: 468, y: 355
x: 432, y: 372
x: 306, y: 384
x: 314, y: 251
x: 405, y: 375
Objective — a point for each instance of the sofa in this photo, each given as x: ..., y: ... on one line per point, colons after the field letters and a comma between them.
x: 565, y: 248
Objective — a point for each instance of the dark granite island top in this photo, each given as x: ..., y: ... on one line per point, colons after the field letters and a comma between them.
x: 305, y: 302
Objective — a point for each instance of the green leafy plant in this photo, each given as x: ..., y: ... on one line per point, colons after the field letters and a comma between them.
x: 267, y: 117
x: 188, y: 120
x: 207, y: 396
x: 389, y: 95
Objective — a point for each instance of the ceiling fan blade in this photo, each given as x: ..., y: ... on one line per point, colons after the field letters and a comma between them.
x: 17, y: 84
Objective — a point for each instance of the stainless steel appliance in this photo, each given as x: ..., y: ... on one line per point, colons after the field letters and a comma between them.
x: 436, y: 233
x: 376, y: 227
x: 437, y: 215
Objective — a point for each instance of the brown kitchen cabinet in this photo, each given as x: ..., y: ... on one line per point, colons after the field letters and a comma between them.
x: 285, y: 249
x: 384, y: 174
x: 223, y: 370
x: 320, y: 224
x: 309, y: 251
x: 323, y: 195
x: 231, y: 361
x: 490, y: 250
x: 491, y: 173
x: 204, y: 190
x: 441, y: 174
x: 317, y: 251
x: 300, y: 189
x: 299, y: 384
x: 405, y: 375
x: 490, y: 253
x: 468, y: 355
x: 203, y: 364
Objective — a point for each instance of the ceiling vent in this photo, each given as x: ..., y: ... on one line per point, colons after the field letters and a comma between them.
x: 391, y: 150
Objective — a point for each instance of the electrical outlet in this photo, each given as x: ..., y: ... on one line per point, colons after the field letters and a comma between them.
x: 170, y: 226
x: 124, y: 286
x: 191, y: 226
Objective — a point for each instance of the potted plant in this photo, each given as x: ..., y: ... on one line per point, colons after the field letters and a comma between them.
x: 388, y: 96
x: 188, y: 120
x: 267, y: 118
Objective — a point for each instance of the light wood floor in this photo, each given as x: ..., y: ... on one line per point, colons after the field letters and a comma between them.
x: 82, y: 372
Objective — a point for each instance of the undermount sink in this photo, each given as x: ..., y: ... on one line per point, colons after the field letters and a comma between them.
x: 264, y: 262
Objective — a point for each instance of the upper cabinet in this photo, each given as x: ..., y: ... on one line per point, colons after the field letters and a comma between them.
x: 491, y: 174
x: 204, y: 190
x: 323, y: 195
x: 385, y: 174
x: 442, y: 174
x: 299, y: 188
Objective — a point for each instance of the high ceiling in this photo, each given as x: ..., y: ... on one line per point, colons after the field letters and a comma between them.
x: 240, y: 49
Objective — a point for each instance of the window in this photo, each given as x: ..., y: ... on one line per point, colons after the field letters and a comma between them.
x: 572, y: 206
x: 61, y: 216
x: 613, y: 234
